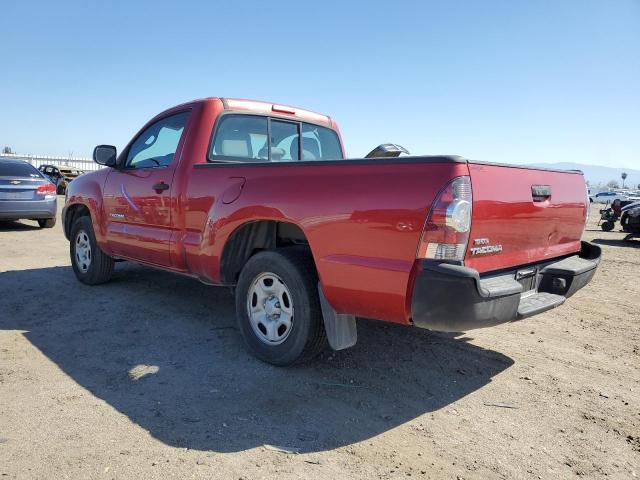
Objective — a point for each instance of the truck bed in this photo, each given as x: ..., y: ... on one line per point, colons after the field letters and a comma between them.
x: 363, y: 218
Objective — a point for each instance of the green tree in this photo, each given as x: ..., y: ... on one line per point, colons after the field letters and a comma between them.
x: 6, y: 150
x: 613, y: 184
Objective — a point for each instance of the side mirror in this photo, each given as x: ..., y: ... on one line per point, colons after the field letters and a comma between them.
x: 105, y: 155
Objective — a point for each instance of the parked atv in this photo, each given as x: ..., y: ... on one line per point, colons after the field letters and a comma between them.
x: 608, y: 219
x: 611, y: 214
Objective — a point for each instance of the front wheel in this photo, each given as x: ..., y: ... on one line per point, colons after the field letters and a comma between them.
x: 90, y: 264
x: 278, y: 308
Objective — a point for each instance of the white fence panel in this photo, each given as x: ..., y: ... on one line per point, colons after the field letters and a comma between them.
x: 85, y: 164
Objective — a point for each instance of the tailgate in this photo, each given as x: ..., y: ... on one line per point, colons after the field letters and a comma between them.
x: 523, y: 215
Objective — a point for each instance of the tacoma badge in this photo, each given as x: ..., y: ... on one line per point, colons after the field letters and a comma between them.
x: 482, y: 247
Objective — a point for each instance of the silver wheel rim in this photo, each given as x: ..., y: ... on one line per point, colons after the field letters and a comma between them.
x: 270, y: 308
x: 82, y: 251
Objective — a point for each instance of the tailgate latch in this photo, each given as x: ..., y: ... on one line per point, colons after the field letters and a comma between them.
x: 540, y: 193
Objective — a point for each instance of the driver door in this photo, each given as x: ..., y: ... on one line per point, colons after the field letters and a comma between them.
x: 138, y: 196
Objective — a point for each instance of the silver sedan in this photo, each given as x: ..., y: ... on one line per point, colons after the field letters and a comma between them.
x: 26, y: 194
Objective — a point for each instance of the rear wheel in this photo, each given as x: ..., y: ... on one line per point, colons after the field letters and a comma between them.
x: 607, y: 226
x: 278, y: 308
x: 90, y: 264
x: 47, y: 222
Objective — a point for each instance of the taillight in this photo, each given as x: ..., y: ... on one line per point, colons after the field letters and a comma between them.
x: 446, y: 232
x: 46, y: 189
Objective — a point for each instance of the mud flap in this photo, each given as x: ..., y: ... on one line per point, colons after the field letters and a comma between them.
x: 341, y: 329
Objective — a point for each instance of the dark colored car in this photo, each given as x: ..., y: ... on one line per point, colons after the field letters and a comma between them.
x: 60, y: 175
x: 26, y: 194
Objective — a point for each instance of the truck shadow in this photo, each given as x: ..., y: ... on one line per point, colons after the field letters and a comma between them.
x: 621, y: 242
x: 164, y: 351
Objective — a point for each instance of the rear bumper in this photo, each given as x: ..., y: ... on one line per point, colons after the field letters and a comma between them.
x: 15, y: 210
x: 454, y: 298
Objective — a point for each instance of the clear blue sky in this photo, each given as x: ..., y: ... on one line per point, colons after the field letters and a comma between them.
x: 506, y: 81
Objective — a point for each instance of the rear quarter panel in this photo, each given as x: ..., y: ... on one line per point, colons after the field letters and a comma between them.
x: 363, y: 222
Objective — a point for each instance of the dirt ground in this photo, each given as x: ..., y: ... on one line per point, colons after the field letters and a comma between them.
x: 146, y: 377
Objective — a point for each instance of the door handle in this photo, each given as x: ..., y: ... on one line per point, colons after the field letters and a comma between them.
x: 159, y: 187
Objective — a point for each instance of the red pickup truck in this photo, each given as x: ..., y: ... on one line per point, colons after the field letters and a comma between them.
x: 259, y: 196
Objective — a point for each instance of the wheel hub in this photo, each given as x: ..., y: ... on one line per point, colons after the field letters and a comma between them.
x: 82, y: 251
x: 270, y: 308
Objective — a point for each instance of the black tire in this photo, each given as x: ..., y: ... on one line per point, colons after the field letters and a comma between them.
x: 624, y: 222
x: 307, y: 337
x: 47, y: 222
x: 607, y: 226
x: 100, y: 267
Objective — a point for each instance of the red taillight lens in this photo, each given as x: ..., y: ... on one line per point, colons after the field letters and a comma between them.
x: 46, y: 189
x: 446, y: 232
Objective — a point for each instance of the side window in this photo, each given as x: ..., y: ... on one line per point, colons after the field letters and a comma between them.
x: 320, y: 143
x: 157, y: 145
x: 285, y: 141
x: 241, y: 138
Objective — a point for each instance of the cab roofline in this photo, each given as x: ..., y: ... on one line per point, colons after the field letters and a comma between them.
x: 258, y: 106
x: 280, y: 109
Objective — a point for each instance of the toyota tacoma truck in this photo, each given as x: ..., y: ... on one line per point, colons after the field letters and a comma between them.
x: 259, y: 197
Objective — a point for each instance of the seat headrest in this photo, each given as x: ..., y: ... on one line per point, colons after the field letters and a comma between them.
x: 235, y: 148
x: 277, y: 154
x: 237, y: 144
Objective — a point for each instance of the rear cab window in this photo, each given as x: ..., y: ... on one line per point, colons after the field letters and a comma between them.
x: 320, y: 143
x: 254, y: 138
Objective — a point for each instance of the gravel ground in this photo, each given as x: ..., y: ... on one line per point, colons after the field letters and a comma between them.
x: 146, y: 377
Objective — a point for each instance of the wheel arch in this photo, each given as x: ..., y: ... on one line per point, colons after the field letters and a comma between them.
x: 254, y: 236
x: 73, y: 212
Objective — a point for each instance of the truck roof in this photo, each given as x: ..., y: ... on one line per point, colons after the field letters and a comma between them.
x: 269, y: 108
x: 274, y: 108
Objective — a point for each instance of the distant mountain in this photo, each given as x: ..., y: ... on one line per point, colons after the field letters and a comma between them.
x: 597, y: 174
